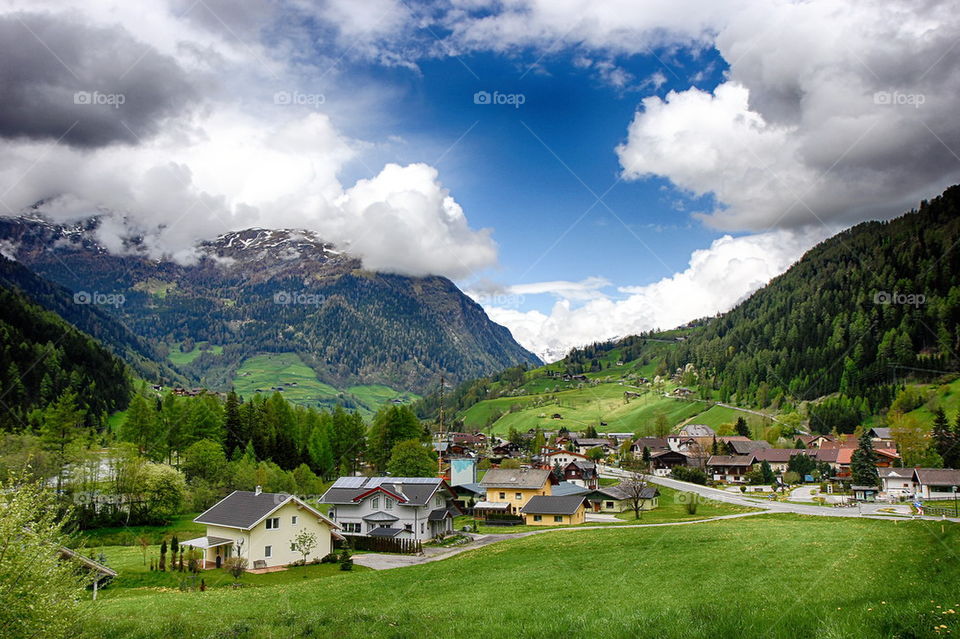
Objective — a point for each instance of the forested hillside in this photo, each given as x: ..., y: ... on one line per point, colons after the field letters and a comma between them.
x: 43, y: 358
x: 858, y: 312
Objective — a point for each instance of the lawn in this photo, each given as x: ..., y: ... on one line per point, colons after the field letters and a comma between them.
x: 182, y: 526
x: 762, y: 576
x: 180, y: 358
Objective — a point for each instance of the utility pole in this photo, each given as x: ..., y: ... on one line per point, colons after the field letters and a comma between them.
x: 440, y: 438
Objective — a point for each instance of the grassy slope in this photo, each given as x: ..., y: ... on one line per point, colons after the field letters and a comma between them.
x: 763, y: 576
x: 180, y: 358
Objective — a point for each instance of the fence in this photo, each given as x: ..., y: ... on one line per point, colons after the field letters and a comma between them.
x: 946, y: 510
x: 385, y: 544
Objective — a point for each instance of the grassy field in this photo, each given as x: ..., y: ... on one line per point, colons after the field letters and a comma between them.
x: 137, y: 580
x: 762, y: 576
x: 182, y: 526
x: 265, y: 372
x: 180, y: 358
x: 580, y: 408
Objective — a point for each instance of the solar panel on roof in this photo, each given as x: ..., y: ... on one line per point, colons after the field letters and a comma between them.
x: 349, y: 482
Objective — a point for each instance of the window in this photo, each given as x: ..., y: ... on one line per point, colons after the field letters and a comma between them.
x: 503, y: 495
x: 408, y: 527
x: 375, y: 503
x: 519, y: 496
x: 389, y: 503
x: 609, y: 504
x: 558, y: 519
x: 273, y: 523
x: 293, y: 520
x: 421, y: 529
x: 537, y: 518
x: 350, y: 527
x: 268, y: 551
x: 439, y: 500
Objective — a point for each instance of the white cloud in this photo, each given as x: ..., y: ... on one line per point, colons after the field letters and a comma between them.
x: 240, y: 158
x: 716, y: 280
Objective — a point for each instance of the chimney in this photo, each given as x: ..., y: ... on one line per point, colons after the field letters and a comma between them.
x: 258, y: 490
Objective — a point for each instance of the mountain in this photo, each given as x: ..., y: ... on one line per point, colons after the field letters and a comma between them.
x: 41, y: 356
x: 273, y: 291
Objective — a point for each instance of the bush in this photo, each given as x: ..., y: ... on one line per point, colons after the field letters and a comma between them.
x: 329, y: 559
x: 687, y: 473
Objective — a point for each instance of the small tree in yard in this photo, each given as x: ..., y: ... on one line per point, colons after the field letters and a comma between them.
x: 163, y: 555
x: 304, y: 543
x: 635, y: 490
x: 144, y: 542
x: 346, y: 561
x: 236, y: 566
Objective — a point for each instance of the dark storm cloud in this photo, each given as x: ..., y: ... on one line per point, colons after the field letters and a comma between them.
x: 61, y: 79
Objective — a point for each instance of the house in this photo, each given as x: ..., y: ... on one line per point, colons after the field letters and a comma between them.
x: 505, y: 449
x: 419, y: 508
x: 864, y: 493
x: 583, y: 444
x: 730, y: 468
x: 509, y: 490
x: 697, y: 431
x: 897, y: 482
x: 260, y: 527
x: 664, y: 461
x: 615, y: 499
x: 815, y: 441
x: 936, y: 483
x: 547, y: 510
x: 653, y: 444
x: 743, y: 445
x: 582, y: 473
x: 568, y: 488
x: 778, y: 458
x: 682, y: 392
x: 557, y: 457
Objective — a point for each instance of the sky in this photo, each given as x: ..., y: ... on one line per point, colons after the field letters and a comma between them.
x: 583, y: 170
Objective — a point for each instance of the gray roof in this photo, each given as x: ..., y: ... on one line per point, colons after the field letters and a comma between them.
x: 882, y: 432
x: 385, y: 532
x: 440, y: 514
x: 515, y: 478
x: 730, y: 460
x: 474, y: 488
x: 619, y: 493
x: 415, y: 491
x: 697, y: 430
x: 553, y: 505
x: 565, y: 488
x: 778, y: 455
x: 380, y: 516
x: 938, y: 476
x: 591, y: 441
x: 902, y: 473
x: 242, y: 509
x: 743, y: 448
x: 652, y: 443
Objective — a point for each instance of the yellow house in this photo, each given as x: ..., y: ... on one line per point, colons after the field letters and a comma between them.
x: 509, y: 490
x: 553, y: 511
x: 261, y: 527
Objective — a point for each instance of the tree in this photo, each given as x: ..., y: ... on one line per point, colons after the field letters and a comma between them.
x: 61, y: 427
x: 236, y: 436
x: 863, y: 463
x: 591, y: 433
x: 766, y: 472
x: 236, y: 566
x: 802, y: 464
x: 391, y: 425
x: 304, y: 543
x: 510, y: 463
x: 412, y: 459
x: 661, y: 427
x: 646, y: 457
x: 319, y: 448
x: 741, y: 428
x: 204, y: 460
x: 40, y: 595
x: 636, y: 491
x: 945, y: 440
x: 914, y: 442
x: 140, y: 426
x: 595, y: 454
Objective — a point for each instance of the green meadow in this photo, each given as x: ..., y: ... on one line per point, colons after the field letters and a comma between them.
x: 761, y: 576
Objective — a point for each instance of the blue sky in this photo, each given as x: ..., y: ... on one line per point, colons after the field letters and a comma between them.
x: 735, y: 135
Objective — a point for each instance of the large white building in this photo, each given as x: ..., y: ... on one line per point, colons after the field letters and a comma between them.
x: 395, y: 507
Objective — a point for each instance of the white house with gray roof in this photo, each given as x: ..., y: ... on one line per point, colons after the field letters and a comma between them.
x: 261, y: 527
x: 418, y: 508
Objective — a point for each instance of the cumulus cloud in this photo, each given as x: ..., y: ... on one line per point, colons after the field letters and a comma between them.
x: 716, y: 280
x: 183, y: 159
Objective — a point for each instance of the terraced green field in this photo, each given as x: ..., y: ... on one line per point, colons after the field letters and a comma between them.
x: 180, y: 358
x: 771, y: 576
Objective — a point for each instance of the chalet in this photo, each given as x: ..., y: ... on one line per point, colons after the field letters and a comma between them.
x: 666, y: 460
x: 936, y: 483
x: 555, y: 457
x: 580, y: 472
x: 839, y: 458
x: 615, y: 499
x: 418, y: 508
x: 743, y: 445
x: 653, y: 444
x: 730, y: 468
x: 815, y: 441
x: 508, y: 489
x: 551, y: 510
x: 682, y: 392
x: 583, y: 444
x: 778, y: 458
x: 897, y: 482
x: 260, y: 527
x: 505, y: 449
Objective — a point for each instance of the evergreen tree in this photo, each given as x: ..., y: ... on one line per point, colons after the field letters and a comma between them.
x: 61, y: 427
x: 236, y: 437
x: 863, y: 464
x: 944, y: 438
x: 766, y: 472
x: 391, y: 425
x: 141, y: 426
x: 741, y: 427
x: 321, y: 453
